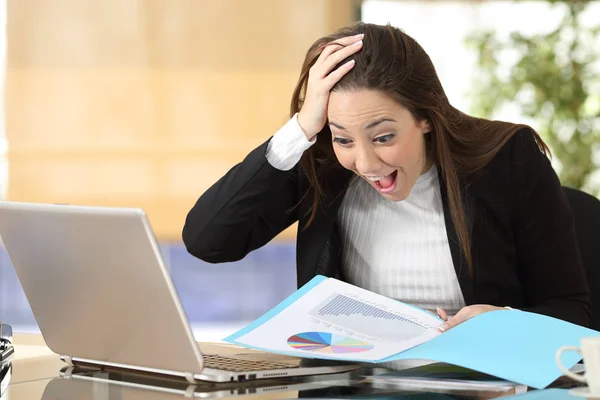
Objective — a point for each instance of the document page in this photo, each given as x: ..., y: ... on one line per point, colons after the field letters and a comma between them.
x: 336, y: 320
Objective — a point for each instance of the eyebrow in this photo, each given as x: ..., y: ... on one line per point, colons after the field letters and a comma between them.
x: 369, y: 126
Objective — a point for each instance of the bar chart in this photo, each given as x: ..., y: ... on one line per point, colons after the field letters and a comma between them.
x: 348, y: 313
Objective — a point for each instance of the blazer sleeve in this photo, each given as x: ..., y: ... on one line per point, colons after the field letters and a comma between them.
x: 242, y: 211
x: 550, y: 265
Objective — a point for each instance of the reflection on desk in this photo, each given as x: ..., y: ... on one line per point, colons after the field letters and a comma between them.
x: 99, y: 386
x: 84, y: 384
x: 77, y: 381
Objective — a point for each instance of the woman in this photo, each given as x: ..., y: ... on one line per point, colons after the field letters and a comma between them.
x: 400, y: 193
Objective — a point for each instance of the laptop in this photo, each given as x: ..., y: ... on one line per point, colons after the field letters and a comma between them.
x: 102, y: 296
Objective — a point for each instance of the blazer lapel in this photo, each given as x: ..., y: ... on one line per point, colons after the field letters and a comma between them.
x: 458, y: 257
x: 321, y: 237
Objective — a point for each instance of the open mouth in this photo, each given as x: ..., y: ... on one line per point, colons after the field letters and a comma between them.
x: 386, y: 184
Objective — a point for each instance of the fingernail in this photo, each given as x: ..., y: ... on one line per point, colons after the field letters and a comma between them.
x: 359, y: 43
x: 442, y: 328
x: 360, y: 35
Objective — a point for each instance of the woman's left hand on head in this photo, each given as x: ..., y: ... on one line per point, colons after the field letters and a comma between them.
x: 464, y: 314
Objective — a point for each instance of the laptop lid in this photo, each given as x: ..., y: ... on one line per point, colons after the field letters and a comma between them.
x: 98, y: 286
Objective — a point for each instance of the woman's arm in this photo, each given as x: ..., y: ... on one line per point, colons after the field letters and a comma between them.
x: 256, y: 199
x: 251, y: 204
x: 550, y: 266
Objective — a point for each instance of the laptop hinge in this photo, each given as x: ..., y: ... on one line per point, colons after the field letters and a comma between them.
x: 68, y: 360
x: 74, y: 361
x: 190, y: 378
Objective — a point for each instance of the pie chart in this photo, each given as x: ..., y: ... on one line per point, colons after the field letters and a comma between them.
x: 323, y: 342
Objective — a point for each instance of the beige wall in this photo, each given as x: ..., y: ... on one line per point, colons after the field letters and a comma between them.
x: 146, y: 103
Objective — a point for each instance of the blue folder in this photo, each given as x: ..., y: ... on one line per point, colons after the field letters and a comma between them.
x: 515, y: 345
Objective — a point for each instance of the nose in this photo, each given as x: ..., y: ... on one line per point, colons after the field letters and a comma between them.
x: 367, y: 162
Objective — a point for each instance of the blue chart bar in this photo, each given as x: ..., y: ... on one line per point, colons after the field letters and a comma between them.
x: 349, y: 314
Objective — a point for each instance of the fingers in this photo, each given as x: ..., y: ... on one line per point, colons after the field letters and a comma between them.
x: 335, y: 58
x: 313, y: 115
x: 336, y: 75
x: 339, y: 44
x: 333, y: 55
x: 340, y: 53
x: 442, y: 314
x: 348, y: 40
x: 464, y: 314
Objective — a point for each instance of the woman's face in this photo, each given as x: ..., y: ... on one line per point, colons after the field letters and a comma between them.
x: 379, y: 140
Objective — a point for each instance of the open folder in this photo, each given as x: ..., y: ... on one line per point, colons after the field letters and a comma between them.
x: 331, y: 319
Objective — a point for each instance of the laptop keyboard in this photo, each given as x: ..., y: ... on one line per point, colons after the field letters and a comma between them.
x: 237, y: 365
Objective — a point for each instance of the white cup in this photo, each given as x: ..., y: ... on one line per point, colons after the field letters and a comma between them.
x: 590, y: 351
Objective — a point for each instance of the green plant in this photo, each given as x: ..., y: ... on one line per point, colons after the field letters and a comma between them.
x: 554, y: 79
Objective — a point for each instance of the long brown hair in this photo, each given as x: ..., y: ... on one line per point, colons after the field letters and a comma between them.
x: 395, y: 64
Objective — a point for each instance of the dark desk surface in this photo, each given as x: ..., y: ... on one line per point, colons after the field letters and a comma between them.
x: 39, y: 374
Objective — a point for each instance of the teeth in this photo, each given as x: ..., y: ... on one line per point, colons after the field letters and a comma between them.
x: 376, y: 178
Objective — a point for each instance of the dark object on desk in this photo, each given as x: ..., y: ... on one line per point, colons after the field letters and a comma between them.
x: 6, y: 351
x: 6, y: 346
x: 5, y: 375
x: 448, y: 379
x: 586, y: 214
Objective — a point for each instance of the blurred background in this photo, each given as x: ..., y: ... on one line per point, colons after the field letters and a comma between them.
x: 146, y: 103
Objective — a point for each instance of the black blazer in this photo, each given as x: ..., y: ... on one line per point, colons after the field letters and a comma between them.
x: 524, y: 246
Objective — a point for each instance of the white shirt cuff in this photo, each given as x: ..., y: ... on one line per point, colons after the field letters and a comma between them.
x: 287, y: 145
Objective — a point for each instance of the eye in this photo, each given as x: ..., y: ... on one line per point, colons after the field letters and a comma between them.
x: 342, y: 141
x: 384, y: 139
